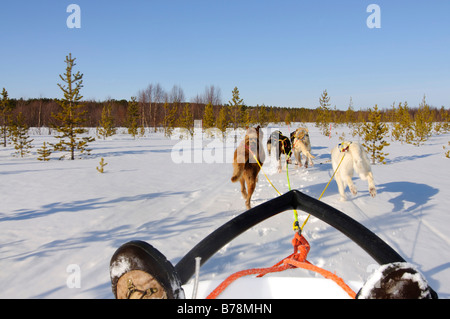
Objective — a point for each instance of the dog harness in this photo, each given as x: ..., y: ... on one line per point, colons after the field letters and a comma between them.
x: 343, y: 147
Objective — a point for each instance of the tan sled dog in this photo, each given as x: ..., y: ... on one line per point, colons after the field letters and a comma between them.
x: 355, y: 160
x: 302, y: 144
x: 245, y: 166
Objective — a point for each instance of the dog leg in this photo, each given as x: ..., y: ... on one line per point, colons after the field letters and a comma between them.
x: 251, y: 184
x: 372, y: 189
x: 295, y: 157
x: 299, y: 159
x: 279, y: 165
x: 243, y: 190
x: 310, y: 159
x: 351, y: 186
x: 341, y: 187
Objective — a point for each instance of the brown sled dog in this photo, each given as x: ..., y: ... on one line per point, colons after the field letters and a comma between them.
x: 245, y: 166
x: 302, y: 144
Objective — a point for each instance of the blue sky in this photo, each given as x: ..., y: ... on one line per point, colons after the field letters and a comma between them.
x: 281, y: 53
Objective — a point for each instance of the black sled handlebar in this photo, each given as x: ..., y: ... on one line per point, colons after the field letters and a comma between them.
x: 367, y: 240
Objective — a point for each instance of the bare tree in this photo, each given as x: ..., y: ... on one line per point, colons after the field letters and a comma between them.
x: 149, y: 96
x: 142, y: 98
x: 213, y: 95
x: 158, y: 93
x: 39, y: 113
x: 198, y: 99
x: 176, y: 94
x: 158, y: 97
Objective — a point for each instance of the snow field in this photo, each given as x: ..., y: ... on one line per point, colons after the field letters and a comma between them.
x: 61, y: 221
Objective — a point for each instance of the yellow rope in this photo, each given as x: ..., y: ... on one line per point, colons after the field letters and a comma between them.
x: 260, y: 166
x: 295, y: 226
x: 334, y: 173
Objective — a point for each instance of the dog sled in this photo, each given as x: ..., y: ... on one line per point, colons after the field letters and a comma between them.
x: 139, y: 270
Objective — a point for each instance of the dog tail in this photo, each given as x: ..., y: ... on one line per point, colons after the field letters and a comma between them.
x: 310, y: 155
x: 238, y: 169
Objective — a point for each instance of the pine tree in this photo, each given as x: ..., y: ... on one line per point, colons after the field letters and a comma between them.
x: 70, y: 118
x: 133, y: 117
x: 44, y: 153
x: 209, y: 120
x: 391, y: 113
x: 247, y: 118
x: 423, y: 124
x: 402, y: 128
x: 236, y: 104
x: 440, y: 126
x: 324, y: 116
x: 6, y: 108
x: 106, y: 124
x: 102, y: 164
x: 169, y: 118
x: 445, y: 116
x: 350, y: 117
x: 374, y: 133
x: 19, y: 136
x: 288, y: 118
x: 447, y: 152
x: 222, y: 121
x: 141, y: 131
x: 253, y: 116
x: 262, y: 115
x: 272, y: 117
x: 187, y: 120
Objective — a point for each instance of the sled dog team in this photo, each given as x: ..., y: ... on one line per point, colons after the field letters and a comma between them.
x: 346, y: 158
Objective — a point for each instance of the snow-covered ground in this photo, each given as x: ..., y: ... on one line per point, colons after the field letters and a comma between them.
x: 61, y: 221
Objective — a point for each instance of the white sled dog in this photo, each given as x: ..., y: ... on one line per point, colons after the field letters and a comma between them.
x: 302, y: 144
x: 355, y: 160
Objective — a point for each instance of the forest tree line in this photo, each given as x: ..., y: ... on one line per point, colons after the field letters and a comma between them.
x: 410, y: 125
x: 37, y: 112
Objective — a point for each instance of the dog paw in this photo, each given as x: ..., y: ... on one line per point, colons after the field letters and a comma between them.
x: 372, y: 191
x: 353, y: 190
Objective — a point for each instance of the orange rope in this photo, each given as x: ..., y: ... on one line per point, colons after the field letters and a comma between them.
x: 295, y: 260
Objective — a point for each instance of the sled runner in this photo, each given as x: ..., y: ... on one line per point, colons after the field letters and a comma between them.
x: 139, y: 270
